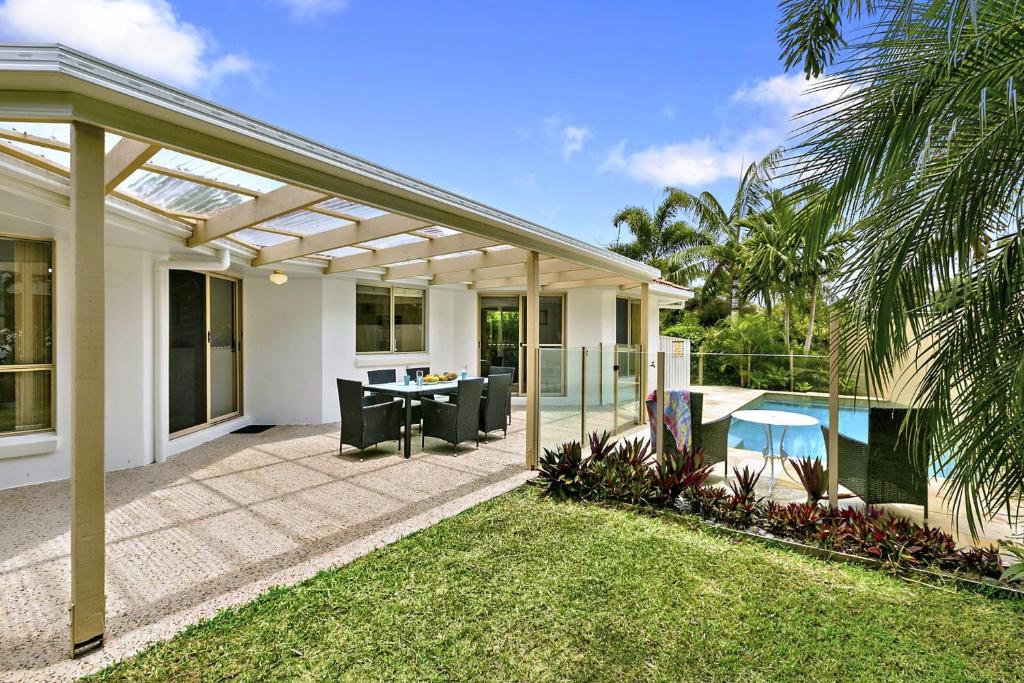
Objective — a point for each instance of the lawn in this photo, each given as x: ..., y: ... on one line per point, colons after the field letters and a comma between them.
x: 523, y: 588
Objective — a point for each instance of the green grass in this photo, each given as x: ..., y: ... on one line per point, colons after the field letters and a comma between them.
x: 522, y: 588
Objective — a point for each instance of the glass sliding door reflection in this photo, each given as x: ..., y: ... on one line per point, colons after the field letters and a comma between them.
x: 499, y: 335
x: 187, y: 356
x: 223, y: 348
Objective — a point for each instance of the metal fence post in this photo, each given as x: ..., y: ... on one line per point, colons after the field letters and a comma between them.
x: 659, y: 409
x: 792, y: 380
x: 700, y: 365
x: 583, y: 395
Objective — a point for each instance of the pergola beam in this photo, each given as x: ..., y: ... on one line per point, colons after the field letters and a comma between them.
x: 599, y: 282
x: 28, y: 138
x: 497, y: 272
x: 407, y: 252
x: 563, y: 276
x: 125, y: 158
x: 500, y: 257
x: 247, y: 214
x: 336, y: 238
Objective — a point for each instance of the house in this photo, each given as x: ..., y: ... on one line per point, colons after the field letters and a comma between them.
x: 171, y: 271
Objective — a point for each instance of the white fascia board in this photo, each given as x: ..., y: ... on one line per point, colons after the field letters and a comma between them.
x: 57, y: 83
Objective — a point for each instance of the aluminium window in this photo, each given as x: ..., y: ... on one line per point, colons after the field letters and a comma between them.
x: 390, y: 319
x: 26, y: 335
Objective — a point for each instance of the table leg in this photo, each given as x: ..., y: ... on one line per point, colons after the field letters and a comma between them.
x: 408, y: 427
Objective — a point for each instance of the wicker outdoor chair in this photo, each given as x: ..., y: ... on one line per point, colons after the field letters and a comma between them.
x: 493, y: 407
x: 380, y: 376
x: 712, y: 436
x: 504, y: 370
x: 454, y: 422
x: 885, y: 469
x: 366, y: 420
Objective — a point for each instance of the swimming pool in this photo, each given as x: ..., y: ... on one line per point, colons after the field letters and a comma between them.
x: 800, y: 441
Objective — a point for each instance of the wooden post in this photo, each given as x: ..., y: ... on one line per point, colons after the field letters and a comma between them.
x: 659, y: 410
x: 833, y: 410
x: 700, y: 365
x: 88, y: 599
x: 533, y: 359
x: 645, y: 350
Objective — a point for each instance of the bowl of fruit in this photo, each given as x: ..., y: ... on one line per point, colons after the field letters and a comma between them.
x: 451, y: 376
x: 431, y: 379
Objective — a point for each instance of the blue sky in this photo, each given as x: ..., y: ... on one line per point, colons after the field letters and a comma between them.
x: 561, y: 112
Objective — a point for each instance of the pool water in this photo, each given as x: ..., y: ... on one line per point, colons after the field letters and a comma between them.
x: 799, y: 441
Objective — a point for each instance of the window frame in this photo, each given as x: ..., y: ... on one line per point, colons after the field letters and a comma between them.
x: 391, y: 319
x: 35, y: 367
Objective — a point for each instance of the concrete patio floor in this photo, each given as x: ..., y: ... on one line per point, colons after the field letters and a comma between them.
x: 219, y: 525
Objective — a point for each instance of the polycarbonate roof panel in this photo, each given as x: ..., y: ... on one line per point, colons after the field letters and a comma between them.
x: 259, y: 238
x: 214, y: 171
x: 174, y: 194
x: 393, y: 241
x: 343, y: 251
x: 351, y: 208
x: 306, y: 222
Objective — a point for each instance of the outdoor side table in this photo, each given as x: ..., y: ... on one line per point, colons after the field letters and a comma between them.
x: 775, y: 418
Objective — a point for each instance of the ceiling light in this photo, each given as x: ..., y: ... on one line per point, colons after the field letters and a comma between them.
x: 278, y: 277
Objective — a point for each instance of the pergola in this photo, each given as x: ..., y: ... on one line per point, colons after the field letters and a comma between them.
x: 267, y: 195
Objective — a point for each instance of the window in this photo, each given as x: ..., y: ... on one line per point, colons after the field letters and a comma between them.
x: 390, y: 319
x: 627, y: 322
x: 26, y: 335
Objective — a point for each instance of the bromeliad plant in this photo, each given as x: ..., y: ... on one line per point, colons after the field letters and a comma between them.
x: 678, y: 473
x: 564, y: 472
x: 626, y: 472
x: 812, y: 475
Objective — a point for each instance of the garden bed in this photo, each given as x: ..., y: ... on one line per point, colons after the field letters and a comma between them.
x: 624, y: 472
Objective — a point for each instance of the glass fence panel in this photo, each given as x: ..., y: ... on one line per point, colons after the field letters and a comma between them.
x: 770, y: 372
x: 561, y: 401
x: 599, y: 395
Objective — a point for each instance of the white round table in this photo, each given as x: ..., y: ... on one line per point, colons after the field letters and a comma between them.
x: 775, y: 418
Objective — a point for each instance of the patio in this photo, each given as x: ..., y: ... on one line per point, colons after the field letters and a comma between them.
x: 234, y: 517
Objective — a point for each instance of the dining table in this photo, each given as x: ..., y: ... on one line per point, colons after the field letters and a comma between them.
x: 409, y: 393
x: 775, y: 418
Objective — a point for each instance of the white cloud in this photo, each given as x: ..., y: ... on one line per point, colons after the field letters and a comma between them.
x: 573, y: 139
x: 143, y: 35
x: 696, y: 162
x: 765, y: 109
x: 569, y: 138
x: 790, y: 93
x: 311, y: 9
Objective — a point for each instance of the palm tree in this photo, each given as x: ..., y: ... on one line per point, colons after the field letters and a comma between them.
x: 717, y: 251
x: 924, y: 156
x: 770, y: 256
x: 659, y: 240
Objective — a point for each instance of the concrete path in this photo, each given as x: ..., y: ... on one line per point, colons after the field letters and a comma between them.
x: 219, y: 525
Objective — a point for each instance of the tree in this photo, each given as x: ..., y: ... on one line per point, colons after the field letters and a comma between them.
x: 770, y: 256
x: 717, y: 251
x: 924, y: 156
x: 658, y: 240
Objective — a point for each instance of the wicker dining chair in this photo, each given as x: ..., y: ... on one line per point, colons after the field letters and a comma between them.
x: 367, y: 420
x: 493, y: 407
x: 712, y: 437
x: 381, y: 376
x: 886, y: 469
x: 505, y: 370
x: 454, y: 422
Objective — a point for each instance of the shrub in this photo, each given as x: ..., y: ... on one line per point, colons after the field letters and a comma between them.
x: 980, y: 561
x: 796, y: 520
x: 563, y: 471
x: 812, y: 476
x: 679, y: 472
x: 624, y: 473
x: 743, y: 484
x: 886, y: 537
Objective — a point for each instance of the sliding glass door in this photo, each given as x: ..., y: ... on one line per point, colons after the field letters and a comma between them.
x: 503, y: 339
x: 204, y: 378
